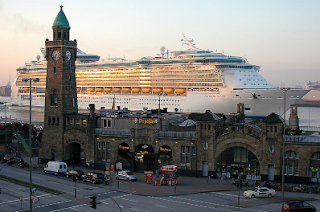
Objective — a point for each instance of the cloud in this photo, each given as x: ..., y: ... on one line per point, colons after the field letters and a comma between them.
x: 26, y: 26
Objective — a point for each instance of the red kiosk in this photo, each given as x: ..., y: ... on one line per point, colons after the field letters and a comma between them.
x: 169, y: 175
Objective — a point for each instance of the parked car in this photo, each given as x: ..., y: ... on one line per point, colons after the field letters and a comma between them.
x: 93, y: 177
x: 9, y: 158
x: 1, y: 156
x: 260, y: 192
x: 126, y: 175
x: 297, y: 205
x: 77, y: 173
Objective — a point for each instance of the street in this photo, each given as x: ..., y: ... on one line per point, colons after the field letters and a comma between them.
x: 14, y: 196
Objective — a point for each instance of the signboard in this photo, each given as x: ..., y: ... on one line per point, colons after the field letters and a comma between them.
x: 145, y: 121
x: 121, y: 147
x: 34, y: 192
x: 119, y: 166
x: 35, y: 199
x: 107, y: 166
x: 165, y: 149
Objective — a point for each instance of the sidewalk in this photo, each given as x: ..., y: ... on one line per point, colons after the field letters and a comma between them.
x: 186, y: 185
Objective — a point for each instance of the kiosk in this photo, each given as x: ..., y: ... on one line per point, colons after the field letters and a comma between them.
x: 169, y: 175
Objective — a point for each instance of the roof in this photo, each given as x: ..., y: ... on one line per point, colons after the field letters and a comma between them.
x: 272, y: 119
x: 188, y: 123
x: 207, y: 116
x: 61, y: 20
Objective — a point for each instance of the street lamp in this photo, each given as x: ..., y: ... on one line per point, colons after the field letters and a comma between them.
x: 30, y: 139
x: 5, y: 126
x: 284, y: 136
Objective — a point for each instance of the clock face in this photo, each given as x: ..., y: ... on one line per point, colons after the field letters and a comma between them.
x: 55, y: 55
x: 68, y: 55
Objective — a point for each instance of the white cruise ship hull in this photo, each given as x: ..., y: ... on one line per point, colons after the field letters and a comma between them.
x: 257, y: 102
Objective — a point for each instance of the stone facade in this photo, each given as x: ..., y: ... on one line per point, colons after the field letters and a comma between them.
x: 61, y: 94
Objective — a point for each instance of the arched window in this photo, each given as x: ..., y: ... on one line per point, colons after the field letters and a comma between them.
x: 315, y: 156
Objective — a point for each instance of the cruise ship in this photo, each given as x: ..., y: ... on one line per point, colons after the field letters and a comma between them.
x: 192, y: 80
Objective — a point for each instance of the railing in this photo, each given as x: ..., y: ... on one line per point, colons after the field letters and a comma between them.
x: 302, y: 139
x: 21, y: 139
x: 112, y: 131
x: 310, y: 128
x: 174, y: 134
x: 294, y: 138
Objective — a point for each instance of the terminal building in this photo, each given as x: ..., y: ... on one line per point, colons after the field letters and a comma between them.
x: 200, y: 144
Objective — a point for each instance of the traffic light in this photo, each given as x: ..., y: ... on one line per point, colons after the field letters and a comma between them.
x: 93, y: 202
x: 239, y: 183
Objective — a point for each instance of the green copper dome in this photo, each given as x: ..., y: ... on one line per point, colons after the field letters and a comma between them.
x: 61, y: 20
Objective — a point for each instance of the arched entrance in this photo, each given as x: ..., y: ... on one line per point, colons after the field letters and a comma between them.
x: 74, y: 153
x: 165, y: 155
x: 125, y: 156
x: 145, y: 157
x: 238, y: 160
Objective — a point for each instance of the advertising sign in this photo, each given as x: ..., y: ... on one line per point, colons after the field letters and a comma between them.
x: 119, y: 166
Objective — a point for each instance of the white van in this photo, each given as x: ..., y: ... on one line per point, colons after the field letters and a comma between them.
x: 56, y: 168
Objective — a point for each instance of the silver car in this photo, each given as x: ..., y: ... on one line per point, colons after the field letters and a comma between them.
x: 126, y: 175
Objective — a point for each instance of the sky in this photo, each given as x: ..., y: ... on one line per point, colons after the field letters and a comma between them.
x: 281, y: 36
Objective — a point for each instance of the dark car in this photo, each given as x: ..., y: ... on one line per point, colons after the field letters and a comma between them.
x: 93, y: 177
x: 297, y: 205
x: 9, y: 158
x: 77, y: 173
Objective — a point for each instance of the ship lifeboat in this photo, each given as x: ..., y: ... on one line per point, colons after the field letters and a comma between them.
x: 168, y: 90
x: 78, y: 90
x: 107, y: 89
x: 99, y: 89
x: 90, y: 89
x: 116, y: 90
x: 126, y: 90
x: 180, y: 90
x: 146, y: 90
x: 136, y: 90
x: 157, y: 90
x: 26, y: 89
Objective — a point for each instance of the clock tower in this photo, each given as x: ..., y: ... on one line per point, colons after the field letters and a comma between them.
x: 61, y: 93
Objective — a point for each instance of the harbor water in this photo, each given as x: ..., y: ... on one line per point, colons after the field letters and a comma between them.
x: 308, y: 116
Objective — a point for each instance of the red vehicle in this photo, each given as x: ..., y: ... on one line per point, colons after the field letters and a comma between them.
x: 297, y: 205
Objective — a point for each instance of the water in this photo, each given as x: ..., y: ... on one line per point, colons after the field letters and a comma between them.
x: 308, y: 116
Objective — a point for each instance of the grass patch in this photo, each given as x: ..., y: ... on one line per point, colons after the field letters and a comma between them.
x: 23, y: 183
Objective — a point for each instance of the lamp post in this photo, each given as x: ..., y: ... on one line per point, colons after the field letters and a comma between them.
x: 30, y: 134
x: 5, y: 126
x: 284, y: 137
